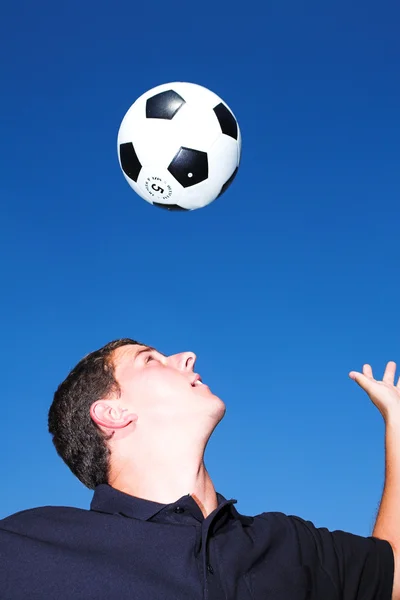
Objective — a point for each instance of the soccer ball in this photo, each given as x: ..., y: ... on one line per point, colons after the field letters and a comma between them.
x: 179, y: 146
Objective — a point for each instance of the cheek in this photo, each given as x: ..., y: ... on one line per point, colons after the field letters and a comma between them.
x: 160, y: 385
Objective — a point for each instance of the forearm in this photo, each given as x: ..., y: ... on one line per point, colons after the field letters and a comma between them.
x: 386, y: 397
x: 387, y: 526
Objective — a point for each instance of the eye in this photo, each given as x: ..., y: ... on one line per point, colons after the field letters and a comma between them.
x: 148, y: 358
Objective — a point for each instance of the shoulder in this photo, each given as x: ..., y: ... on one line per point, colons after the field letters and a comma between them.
x: 310, y: 535
x: 291, y: 530
x: 272, y: 520
x: 322, y: 544
x: 41, y: 517
x: 279, y: 522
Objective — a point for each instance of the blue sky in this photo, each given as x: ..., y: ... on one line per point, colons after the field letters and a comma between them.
x: 281, y: 287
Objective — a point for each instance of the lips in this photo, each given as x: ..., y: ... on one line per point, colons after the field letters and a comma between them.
x: 196, y: 381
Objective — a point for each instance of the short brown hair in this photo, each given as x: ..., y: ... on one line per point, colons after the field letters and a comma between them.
x: 77, y: 439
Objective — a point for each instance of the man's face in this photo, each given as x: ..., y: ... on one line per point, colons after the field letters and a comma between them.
x: 162, y: 389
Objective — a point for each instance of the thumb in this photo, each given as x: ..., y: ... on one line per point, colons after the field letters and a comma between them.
x: 364, y: 382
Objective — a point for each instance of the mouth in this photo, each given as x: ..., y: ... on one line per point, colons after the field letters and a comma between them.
x: 196, y: 382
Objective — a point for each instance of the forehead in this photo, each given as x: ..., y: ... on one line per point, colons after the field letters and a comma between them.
x: 124, y: 359
x: 126, y: 353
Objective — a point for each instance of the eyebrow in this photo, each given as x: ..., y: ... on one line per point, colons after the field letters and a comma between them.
x: 146, y: 349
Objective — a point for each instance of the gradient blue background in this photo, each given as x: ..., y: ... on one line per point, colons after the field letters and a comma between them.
x: 281, y: 287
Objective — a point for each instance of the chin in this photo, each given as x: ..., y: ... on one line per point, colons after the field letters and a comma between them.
x: 220, y: 408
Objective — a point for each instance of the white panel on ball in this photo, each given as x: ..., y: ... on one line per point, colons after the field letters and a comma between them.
x: 156, y: 141
x: 203, y: 130
x: 156, y: 185
x: 223, y: 159
x: 201, y: 195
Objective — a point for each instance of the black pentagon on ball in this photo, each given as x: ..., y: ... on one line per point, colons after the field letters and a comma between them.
x: 129, y: 161
x: 164, y: 105
x: 226, y: 121
x: 228, y: 182
x: 189, y: 166
x: 169, y: 206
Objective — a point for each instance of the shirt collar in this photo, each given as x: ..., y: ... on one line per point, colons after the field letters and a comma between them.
x: 107, y: 499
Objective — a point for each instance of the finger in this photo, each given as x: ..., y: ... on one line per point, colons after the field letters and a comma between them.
x: 398, y: 383
x: 366, y: 383
x: 390, y: 372
x: 367, y: 371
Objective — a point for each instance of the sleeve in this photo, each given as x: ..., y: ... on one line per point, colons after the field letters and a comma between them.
x: 361, y: 568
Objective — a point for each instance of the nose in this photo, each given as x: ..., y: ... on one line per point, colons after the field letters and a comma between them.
x: 186, y: 361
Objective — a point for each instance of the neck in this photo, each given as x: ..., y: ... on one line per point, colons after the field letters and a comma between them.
x: 165, y: 480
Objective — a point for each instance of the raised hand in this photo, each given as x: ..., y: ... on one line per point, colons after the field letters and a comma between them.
x: 384, y: 394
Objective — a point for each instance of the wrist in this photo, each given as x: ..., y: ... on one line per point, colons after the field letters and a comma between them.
x: 392, y: 420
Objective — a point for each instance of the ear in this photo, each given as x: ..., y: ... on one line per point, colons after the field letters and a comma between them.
x: 110, y: 415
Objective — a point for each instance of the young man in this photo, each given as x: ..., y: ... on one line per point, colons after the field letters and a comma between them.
x: 133, y: 424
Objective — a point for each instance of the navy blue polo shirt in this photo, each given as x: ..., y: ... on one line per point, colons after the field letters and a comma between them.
x: 128, y: 548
